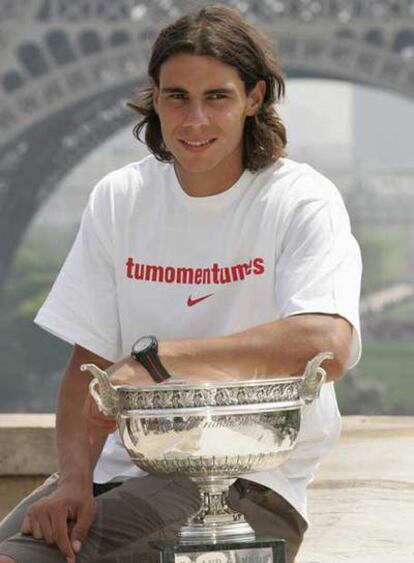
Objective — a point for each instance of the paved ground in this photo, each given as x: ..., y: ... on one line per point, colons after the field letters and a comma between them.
x: 362, y: 504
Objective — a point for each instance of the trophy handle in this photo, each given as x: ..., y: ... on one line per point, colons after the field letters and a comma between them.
x: 103, y: 392
x: 314, y: 377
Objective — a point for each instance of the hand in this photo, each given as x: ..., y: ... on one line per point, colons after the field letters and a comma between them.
x: 129, y: 372
x: 62, y: 518
x: 97, y: 423
x: 125, y: 372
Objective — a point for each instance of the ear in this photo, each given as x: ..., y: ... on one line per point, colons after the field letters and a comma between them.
x: 155, y: 94
x: 255, y: 98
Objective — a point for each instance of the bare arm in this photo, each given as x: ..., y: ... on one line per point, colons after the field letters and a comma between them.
x: 273, y: 349
x: 77, y: 456
x: 276, y: 348
x: 64, y: 517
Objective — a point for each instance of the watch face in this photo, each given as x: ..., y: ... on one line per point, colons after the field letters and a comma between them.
x: 143, y: 344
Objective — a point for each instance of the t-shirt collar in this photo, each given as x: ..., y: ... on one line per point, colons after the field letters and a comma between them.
x: 220, y: 200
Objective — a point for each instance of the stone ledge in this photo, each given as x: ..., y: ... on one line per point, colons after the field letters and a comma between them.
x: 13, y: 489
x: 27, y: 444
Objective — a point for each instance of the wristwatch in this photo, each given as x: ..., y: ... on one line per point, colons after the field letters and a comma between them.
x: 145, y: 351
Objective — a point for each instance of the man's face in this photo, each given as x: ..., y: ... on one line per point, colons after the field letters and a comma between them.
x: 202, y: 105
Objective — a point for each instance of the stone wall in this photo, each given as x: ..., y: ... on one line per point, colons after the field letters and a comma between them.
x: 27, y: 455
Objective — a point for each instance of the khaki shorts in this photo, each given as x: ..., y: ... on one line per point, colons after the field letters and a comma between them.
x: 146, y: 509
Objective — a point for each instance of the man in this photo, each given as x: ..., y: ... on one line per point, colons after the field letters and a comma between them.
x: 240, y: 261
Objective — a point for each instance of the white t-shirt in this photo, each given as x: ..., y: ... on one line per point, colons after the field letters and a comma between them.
x: 277, y: 243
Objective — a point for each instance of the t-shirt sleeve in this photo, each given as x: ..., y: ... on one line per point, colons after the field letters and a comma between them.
x: 82, y: 307
x: 319, y: 267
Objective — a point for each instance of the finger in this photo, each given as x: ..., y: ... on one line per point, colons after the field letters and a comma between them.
x: 101, y: 421
x: 37, y: 531
x: 61, y: 536
x: 26, y: 527
x: 80, y: 531
x: 94, y: 416
x: 42, y: 527
x: 91, y: 411
x: 102, y: 424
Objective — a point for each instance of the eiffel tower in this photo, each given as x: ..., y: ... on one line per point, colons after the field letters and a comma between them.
x: 68, y: 66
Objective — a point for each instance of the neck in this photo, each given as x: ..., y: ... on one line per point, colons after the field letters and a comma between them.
x: 200, y: 184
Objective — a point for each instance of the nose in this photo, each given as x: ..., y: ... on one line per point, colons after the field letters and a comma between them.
x: 196, y: 114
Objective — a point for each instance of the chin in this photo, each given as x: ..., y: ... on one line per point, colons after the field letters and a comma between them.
x: 197, y: 168
x: 195, y: 164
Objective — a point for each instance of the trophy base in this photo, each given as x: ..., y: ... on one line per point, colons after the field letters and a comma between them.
x: 216, y: 532
x: 259, y: 550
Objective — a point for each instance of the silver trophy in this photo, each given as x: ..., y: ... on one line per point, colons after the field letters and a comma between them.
x: 212, y: 433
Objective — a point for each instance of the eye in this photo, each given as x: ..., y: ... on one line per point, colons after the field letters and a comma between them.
x: 218, y: 96
x: 177, y: 96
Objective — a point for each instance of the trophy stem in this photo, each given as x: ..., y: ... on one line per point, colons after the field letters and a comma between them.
x: 215, y: 520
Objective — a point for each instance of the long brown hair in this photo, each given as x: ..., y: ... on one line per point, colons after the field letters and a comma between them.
x: 220, y: 32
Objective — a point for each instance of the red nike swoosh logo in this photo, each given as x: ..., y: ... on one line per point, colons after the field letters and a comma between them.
x: 191, y: 301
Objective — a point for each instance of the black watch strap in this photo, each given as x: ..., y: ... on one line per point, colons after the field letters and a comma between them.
x: 145, y: 351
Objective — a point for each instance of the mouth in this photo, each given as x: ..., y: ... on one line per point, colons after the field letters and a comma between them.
x: 197, y: 145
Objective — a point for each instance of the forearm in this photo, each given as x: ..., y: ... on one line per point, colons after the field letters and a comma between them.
x: 77, y: 456
x: 278, y: 348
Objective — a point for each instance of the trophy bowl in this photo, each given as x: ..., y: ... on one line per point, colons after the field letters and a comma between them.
x: 212, y: 433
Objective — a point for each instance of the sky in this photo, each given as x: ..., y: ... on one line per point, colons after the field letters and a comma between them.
x: 316, y: 129
x: 355, y: 126
x: 383, y: 130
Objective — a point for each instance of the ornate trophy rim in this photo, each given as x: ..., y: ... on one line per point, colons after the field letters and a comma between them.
x: 245, y: 409
x: 235, y: 397
x: 180, y: 384
x: 114, y: 400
